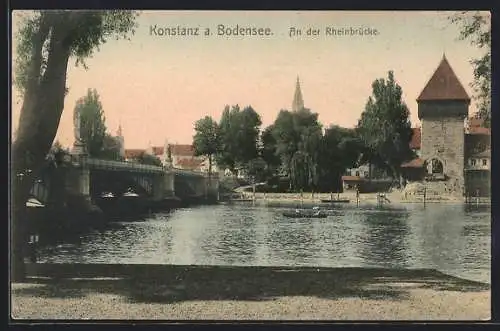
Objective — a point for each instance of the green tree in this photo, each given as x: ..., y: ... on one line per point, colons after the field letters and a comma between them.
x: 247, y: 137
x: 239, y: 133
x: 340, y: 149
x: 149, y: 159
x: 257, y: 169
x: 298, y: 136
x: 111, y: 148
x: 226, y: 158
x: 385, y: 127
x: 45, y: 43
x: 92, y: 122
x: 476, y: 27
x: 268, y: 152
x: 206, y: 140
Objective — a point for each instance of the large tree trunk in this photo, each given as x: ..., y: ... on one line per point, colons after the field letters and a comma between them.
x: 39, y: 120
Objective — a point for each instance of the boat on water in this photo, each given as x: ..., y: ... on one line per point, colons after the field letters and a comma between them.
x: 314, y: 213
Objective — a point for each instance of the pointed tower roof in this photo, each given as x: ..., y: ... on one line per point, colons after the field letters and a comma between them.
x: 298, y: 102
x: 443, y: 85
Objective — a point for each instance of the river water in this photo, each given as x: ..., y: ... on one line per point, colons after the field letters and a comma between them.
x: 454, y: 239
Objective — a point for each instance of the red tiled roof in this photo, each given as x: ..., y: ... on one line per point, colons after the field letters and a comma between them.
x: 479, y: 130
x: 182, y: 150
x: 416, y: 138
x: 190, y: 164
x: 415, y: 163
x: 158, y: 150
x: 444, y: 85
x: 351, y: 178
x: 133, y: 153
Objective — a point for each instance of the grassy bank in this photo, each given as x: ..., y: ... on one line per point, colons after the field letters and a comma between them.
x: 91, y: 291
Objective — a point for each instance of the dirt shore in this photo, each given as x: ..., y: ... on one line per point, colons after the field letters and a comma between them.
x: 255, y: 293
x: 395, y: 197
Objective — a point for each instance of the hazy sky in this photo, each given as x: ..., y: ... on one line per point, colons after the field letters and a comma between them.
x: 158, y: 86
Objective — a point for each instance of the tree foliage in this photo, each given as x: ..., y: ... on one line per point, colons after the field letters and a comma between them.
x: 385, y: 127
x: 239, y: 132
x: 268, y: 152
x: 45, y: 42
x: 476, y: 28
x: 298, y: 136
x: 92, y: 122
x: 82, y: 32
x: 340, y: 149
x: 206, y: 140
x: 149, y: 159
x: 111, y: 148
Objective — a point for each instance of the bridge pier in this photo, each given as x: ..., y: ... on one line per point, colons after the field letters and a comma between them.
x: 168, y: 184
x: 78, y: 186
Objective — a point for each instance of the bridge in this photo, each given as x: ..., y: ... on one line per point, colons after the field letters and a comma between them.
x: 82, y: 182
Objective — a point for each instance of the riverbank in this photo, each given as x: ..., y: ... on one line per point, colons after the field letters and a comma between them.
x: 100, y: 291
x: 364, y: 198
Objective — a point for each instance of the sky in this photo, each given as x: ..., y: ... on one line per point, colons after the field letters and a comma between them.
x: 157, y: 86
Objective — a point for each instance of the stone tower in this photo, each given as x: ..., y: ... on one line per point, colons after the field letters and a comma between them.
x: 121, y: 139
x: 298, y: 102
x: 443, y: 106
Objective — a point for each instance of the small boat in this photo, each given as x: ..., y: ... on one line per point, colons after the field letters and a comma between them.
x: 315, y: 213
x: 335, y: 200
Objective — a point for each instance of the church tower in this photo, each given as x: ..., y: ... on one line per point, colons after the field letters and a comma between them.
x: 443, y: 106
x: 121, y: 140
x: 298, y: 102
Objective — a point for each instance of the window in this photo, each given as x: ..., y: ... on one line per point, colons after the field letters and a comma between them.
x: 473, y: 162
x: 357, y: 173
x: 485, y: 162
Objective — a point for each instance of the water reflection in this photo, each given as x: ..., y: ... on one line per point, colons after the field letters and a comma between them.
x: 384, y: 241
x: 449, y: 238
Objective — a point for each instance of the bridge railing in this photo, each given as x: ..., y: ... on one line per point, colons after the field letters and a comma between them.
x: 138, y: 167
x: 107, y: 164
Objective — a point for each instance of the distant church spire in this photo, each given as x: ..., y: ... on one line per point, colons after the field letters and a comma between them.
x: 298, y: 102
x: 119, y: 131
x: 121, y: 140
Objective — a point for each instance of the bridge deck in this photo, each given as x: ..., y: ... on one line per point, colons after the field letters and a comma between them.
x: 138, y: 167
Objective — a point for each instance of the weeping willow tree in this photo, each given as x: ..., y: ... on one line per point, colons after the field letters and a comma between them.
x: 46, y: 42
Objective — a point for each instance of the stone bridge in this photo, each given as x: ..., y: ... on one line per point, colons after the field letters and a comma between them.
x: 86, y: 180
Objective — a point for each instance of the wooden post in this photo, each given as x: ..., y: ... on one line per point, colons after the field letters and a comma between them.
x: 253, y: 189
x: 425, y: 193
x: 357, y: 195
